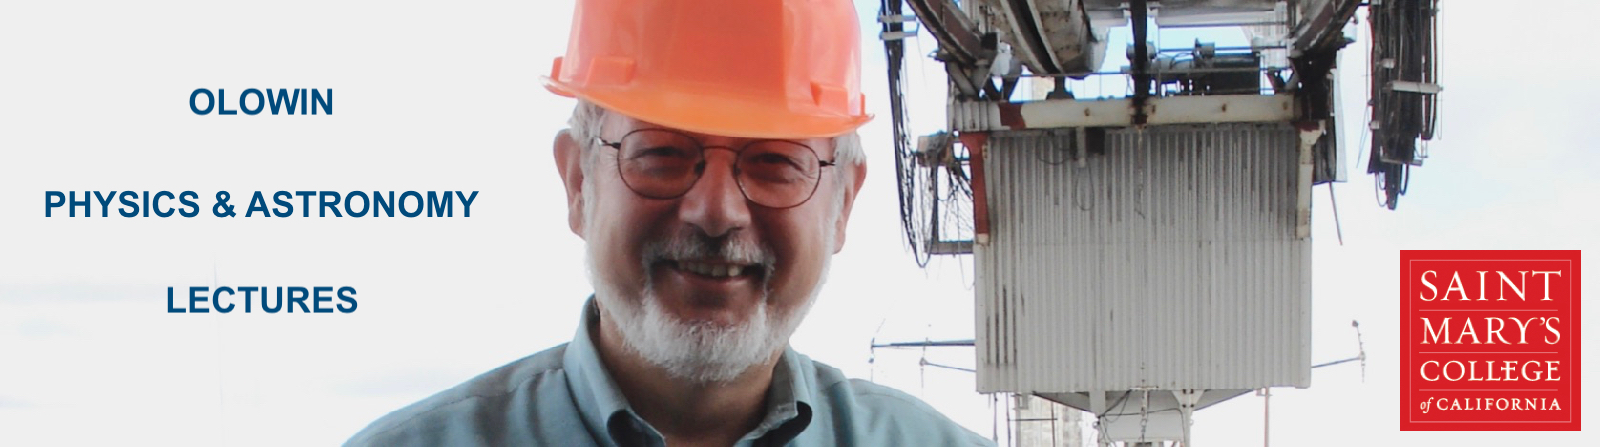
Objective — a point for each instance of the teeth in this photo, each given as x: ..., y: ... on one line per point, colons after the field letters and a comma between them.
x: 712, y: 270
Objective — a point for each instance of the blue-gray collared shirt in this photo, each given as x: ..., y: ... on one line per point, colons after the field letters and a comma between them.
x: 565, y: 397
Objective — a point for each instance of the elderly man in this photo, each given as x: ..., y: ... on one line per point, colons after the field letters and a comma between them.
x: 710, y: 167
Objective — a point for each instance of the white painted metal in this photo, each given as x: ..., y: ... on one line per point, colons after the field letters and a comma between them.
x: 1221, y: 109
x: 1134, y: 426
x: 1059, y: 113
x: 1049, y: 36
x: 1340, y: 172
x: 1426, y: 88
x: 1169, y: 262
x: 1302, y: 185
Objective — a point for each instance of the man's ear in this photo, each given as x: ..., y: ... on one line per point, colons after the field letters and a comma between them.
x: 859, y: 171
x: 569, y: 163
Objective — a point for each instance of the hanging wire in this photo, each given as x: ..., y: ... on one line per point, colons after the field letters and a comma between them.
x: 894, y: 52
x: 1404, y: 49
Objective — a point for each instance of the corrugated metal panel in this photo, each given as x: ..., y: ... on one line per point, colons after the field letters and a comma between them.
x: 1168, y: 262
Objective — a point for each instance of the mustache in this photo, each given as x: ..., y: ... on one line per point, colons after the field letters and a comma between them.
x: 688, y: 244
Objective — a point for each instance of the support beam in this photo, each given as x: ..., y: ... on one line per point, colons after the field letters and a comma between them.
x: 1323, y: 29
x: 1140, y: 64
x: 977, y: 116
x: 956, y: 35
x: 1309, y: 134
x: 974, y: 141
x: 1426, y: 88
x: 950, y: 247
x: 926, y: 344
x: 961, y: 46
x: 1187, y: 399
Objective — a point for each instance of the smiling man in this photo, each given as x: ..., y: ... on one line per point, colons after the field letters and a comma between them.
x: 710, y: 167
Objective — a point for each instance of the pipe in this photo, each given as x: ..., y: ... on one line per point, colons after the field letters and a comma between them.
x: 1141, y: 59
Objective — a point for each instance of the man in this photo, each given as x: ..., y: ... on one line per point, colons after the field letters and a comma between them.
x: 710, y: 168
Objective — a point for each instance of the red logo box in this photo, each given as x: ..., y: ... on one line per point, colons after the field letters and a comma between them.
x: 1489, y: 340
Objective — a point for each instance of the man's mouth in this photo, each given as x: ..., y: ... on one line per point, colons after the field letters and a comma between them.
x: 714, y: 289
x: 716, y: 269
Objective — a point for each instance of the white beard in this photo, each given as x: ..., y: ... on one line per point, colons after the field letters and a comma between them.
x: 695, y: 351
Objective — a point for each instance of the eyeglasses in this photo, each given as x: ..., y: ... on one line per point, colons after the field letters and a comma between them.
x: 665, y: 164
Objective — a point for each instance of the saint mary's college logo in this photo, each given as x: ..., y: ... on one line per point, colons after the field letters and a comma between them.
x: 1490, y: 340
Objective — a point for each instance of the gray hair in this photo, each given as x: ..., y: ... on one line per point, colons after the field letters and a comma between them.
x: 588, y: 118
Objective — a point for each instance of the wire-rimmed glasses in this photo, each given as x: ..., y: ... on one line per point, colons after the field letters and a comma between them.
x: 666, y: 164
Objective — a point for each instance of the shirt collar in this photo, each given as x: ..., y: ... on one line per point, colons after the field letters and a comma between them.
x: 788, y: 400
x: 597, y: 396
x: 599, y: 399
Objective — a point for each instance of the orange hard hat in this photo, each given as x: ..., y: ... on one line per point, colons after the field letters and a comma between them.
x: 738, y: 68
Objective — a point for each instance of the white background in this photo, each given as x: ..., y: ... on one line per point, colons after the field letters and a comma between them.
x: 445, y: 96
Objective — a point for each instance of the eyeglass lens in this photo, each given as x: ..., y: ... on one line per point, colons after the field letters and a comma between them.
x: 664, y: 164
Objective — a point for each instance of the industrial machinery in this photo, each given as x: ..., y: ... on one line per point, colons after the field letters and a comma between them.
x: 1144, y: 252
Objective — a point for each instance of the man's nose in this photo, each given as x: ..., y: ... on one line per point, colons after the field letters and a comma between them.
x: 715, y: 204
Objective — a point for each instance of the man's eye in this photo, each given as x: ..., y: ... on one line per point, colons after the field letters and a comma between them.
x: 661, y: 152
x: 774, y: 168
x: 774, y: 161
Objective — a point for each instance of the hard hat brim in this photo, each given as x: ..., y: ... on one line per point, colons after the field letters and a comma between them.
x: 711, y: 114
